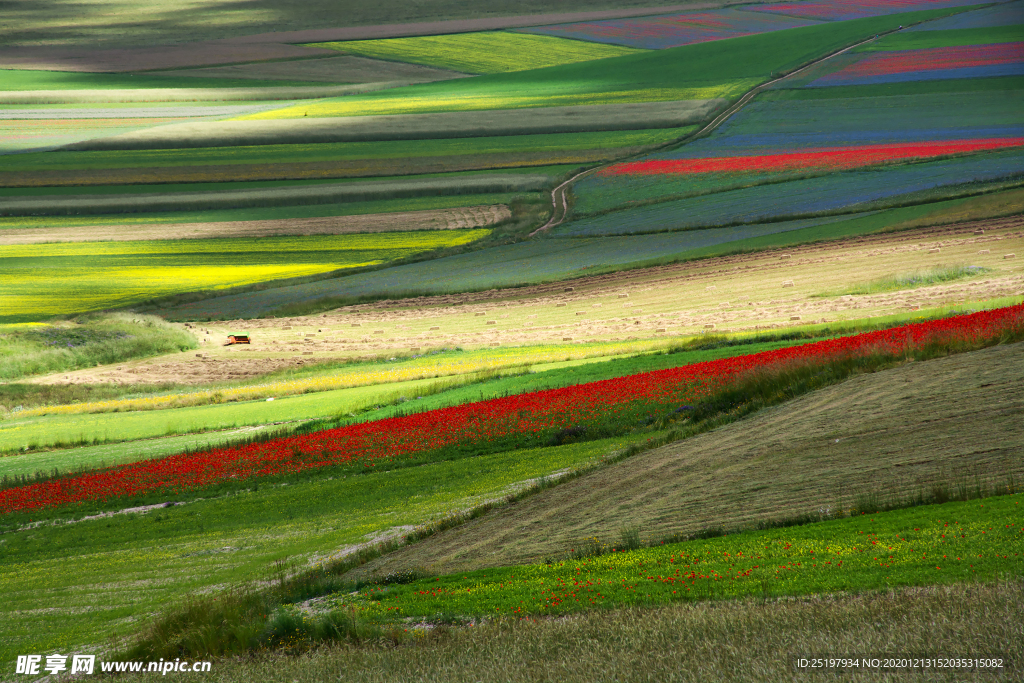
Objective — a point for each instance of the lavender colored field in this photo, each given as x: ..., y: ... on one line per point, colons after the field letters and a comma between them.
x: 842, y: 10
x: 966, y: 61
x: 672, y: 30
x: 834, y: 192
x: 773, y: 127
x: 767, y: 126
x: 1006, y: 14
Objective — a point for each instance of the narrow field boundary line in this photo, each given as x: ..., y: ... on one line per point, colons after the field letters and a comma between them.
x: 558, y: 194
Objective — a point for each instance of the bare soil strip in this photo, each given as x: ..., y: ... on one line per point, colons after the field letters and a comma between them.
x: 888, y: 432
x: 744, y: 293
x: 441, y: 219
x: 468, y: 124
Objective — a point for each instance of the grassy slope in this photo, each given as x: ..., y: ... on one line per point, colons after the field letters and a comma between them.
x: 715, y: 69
x: 86, y: 342
x: 883, y: 434
x: 907, y: 547
x: 210, y: 543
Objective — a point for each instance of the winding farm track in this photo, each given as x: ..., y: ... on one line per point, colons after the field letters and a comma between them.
x: 559, y: 208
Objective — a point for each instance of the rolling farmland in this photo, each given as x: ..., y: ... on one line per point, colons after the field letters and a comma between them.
x: 332, y: 336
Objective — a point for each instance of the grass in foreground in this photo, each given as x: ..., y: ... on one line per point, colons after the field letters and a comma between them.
x: 749, y: 640
x: 83, y: 342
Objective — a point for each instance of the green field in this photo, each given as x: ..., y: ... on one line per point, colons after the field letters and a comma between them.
x: 212, y: 543
x: 923, y: 40
x: 263, y: 213
x: 935, y: 544
x: 40, y: 281
x: 481, y: 53
x: 86, y: 342
x: 227, y: 157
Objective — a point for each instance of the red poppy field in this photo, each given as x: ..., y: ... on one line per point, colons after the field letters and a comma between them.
x: 832, y: 158
x: 591, y: 410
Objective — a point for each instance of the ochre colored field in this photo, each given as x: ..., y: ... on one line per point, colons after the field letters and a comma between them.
x: 481, y: 53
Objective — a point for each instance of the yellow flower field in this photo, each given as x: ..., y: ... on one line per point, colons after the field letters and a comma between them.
x: 518, y: 99
x: 481, y: 53
x: 44, y: 280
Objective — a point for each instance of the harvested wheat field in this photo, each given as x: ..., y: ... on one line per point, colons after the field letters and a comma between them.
x: 894, y: 432
x: 433, y: 219
x: 724, y: 295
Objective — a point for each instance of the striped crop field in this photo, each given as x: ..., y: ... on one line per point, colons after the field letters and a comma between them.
x: 672, y: 30
x: 480, y: 53
x: 859, y: 189
x: 994, y: 16
x: 44, y: 280
x: 964, y: 61
x: 835, y: 158
x: 776, y: 138
x: 844, y: 10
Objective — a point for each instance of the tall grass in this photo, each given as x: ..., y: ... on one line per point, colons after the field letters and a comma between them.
x: 88, y: 341
x: 751, y: 640
x: 919, y: 278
